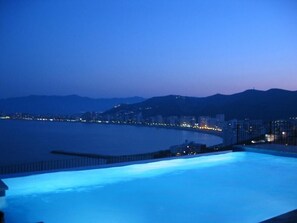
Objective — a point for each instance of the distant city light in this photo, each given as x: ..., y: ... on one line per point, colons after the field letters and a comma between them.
x: 5, y: 117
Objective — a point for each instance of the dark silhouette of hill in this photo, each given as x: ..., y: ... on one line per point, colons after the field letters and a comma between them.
x: 251, y: 104
x: 60, y: 105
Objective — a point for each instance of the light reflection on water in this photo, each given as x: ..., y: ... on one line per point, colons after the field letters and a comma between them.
x: 2, y: 202
x: 232, y: 187
x: 44, y: 183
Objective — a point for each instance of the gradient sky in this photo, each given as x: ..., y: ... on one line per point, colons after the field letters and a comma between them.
x: 122, y: 48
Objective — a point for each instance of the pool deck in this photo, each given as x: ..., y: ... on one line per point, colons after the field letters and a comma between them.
x: 3, y: 188
x: 289, y: 217
x: 273, y: 149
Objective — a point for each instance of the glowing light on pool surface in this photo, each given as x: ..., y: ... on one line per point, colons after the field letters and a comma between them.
x: 231, y: 187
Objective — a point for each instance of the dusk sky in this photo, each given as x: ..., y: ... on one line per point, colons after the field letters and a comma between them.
x: 146, y: 48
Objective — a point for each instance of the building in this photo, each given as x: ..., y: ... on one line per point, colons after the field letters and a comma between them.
x: 187, y: 148
x: 242, y: 131
x: 283, y: 132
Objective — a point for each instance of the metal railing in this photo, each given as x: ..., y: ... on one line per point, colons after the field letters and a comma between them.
x: 49, y: 165
x: 85, y: 160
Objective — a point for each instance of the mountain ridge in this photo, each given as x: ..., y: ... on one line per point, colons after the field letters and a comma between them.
x: 252, y: 104
x: 60, y: 105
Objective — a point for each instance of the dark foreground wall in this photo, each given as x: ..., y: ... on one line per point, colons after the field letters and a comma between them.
x: 1, y: 217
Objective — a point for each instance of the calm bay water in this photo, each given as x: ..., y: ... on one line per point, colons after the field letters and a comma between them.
x: 29, y: 141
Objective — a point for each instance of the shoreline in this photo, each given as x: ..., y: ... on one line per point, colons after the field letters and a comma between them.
x: 210, y: 132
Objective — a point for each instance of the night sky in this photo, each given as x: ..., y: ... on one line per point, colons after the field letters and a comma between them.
x: 146, y: 48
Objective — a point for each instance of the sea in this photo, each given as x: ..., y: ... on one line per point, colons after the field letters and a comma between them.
x: 32, y: 141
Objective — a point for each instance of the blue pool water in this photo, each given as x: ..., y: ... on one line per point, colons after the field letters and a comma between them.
x: 230, y: 187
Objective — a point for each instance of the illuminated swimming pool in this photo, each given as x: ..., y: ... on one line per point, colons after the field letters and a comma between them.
x: 231, y: 187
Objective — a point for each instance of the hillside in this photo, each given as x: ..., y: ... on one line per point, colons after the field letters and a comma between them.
x: 252, y: 104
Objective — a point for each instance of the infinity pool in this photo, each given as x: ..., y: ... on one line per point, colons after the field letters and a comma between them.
x: 230, y: 187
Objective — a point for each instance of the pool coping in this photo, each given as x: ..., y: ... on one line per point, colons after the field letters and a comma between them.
x: 22, y: 174
x: 271, y: 149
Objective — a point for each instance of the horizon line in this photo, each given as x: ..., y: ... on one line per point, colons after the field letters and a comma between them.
x: 118, y: 97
